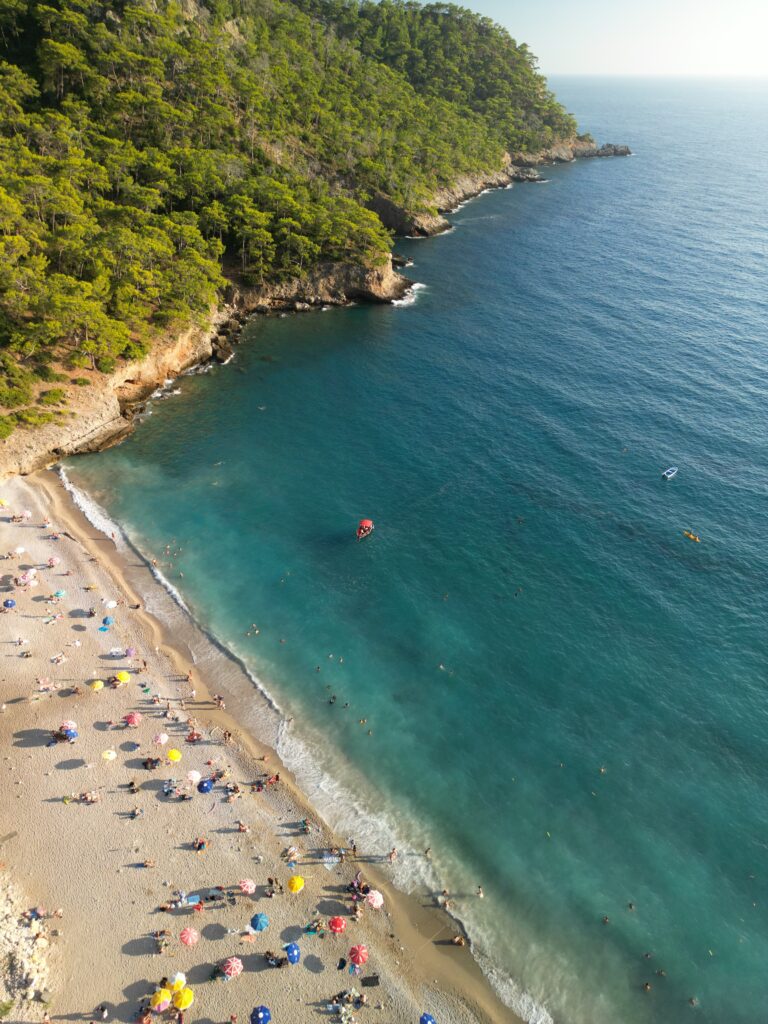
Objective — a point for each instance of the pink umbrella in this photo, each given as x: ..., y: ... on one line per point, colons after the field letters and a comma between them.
x: 194, y: 777
x: 190, y: 937
x: 248, y: 886
x: 53, y: 561
x: 161, y: 739
x: 132, y: 718
x: 375, y: 899
x: 358, y: 955
x: 65, y: 726
x: 232, y: 967
x: 130, y: 652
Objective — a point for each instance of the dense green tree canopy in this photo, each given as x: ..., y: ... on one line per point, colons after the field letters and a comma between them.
x: 150, y: 148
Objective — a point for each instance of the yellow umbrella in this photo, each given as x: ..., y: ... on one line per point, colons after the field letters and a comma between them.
x: 123, y: 676
x: 162, y: 995
x: 178, y: 981
x: 184, y: 999
x: 109, y: 755
x: 96, y: 685
x: 3, y: 503
x: 295, y: 883
x: 174, y: 755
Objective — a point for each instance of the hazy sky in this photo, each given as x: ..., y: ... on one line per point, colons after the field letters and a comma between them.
x: 649, y: 37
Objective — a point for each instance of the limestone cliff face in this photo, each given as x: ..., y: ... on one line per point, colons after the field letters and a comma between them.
x: 102, y: 413
x: 517, y: 167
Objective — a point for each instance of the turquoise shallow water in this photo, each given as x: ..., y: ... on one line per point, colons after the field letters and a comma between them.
x: 527, y: 612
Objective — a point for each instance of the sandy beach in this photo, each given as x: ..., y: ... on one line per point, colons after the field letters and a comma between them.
x: 99, y: 846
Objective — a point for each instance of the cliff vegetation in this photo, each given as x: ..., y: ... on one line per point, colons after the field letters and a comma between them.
x: 151, y: 149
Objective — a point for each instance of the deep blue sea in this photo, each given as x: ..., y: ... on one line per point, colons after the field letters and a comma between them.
x: 567, y: 698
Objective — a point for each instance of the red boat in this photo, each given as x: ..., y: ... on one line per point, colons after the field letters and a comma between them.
x: 364, y: 528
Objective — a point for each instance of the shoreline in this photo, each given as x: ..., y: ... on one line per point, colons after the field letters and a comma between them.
x: 418, y: 923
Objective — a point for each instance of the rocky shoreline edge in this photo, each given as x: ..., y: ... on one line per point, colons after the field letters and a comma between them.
x: 103, y: 413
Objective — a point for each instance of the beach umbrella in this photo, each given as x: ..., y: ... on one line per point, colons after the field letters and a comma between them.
x: 427, y: 1018
x: 109, y: 755
x: 295, y: 883
x: 3, y: 503
x: 9, y: 603
x: 358, y: 955
x: 53, y: 561
x: 161, y: 739
x: 194, y: 777
x: 293, y: 952
x: 59, y: 593
x: 375, y: 899
x: 205, y: 786
x: 232, y: 967
x: 259, y: 922
x: 248, y: 886
x: 67, y: 725
x: 107, y: 620
x: 337, y: 925
x: 130, y: 652
x: 160, y: 1000
x: 71, y: 734
x: 174, y: 755
x: 110, y: 604
x: 178, y: 981
x: 122, y: 676
x: 132, y: 718
x: 19, y: 551
x: 184, y: 999
x: 103, y: 629
x: 261, y: 1015
x: 190, y: 937
x: 96, y: 685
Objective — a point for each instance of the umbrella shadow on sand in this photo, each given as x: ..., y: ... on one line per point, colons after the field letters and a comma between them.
x: 332, y: 908
x: 314, y: 964
x: 68, y: 765
x: 32, y: 738
x: 215, y: 932
x: 292, y: 933
x: 143, y: 946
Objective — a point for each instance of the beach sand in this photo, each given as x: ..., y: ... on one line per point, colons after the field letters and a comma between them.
x: 87, y: 859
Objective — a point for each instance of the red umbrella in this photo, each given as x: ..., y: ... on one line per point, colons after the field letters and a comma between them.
x: 358, y: 955
x: 337, y: 925
x: 232, y: 967
x: 133, y: 718
x: 190, y: 937
x: 248, y: 886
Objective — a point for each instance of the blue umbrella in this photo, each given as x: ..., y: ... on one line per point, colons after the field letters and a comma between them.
x: 205, y: 786
x: 107, y: 620
x: 103, y: 629
x: 293, y: 953
x: 260, y: 1015
x: 71, y: 734
x: 60, y: 593
x: 10, y: 603
x: 259, y: 922
x: 427, y: 1018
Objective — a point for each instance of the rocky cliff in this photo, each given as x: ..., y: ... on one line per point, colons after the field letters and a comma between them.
x: 102, y: 413
x: 515, y: 167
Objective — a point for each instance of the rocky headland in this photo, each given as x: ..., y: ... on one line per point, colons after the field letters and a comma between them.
x: 103, y: 413
x: 517, y: 167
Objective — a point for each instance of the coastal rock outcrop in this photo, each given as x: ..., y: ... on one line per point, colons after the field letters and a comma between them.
x: 102, y: 413
x: 515, y: 167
